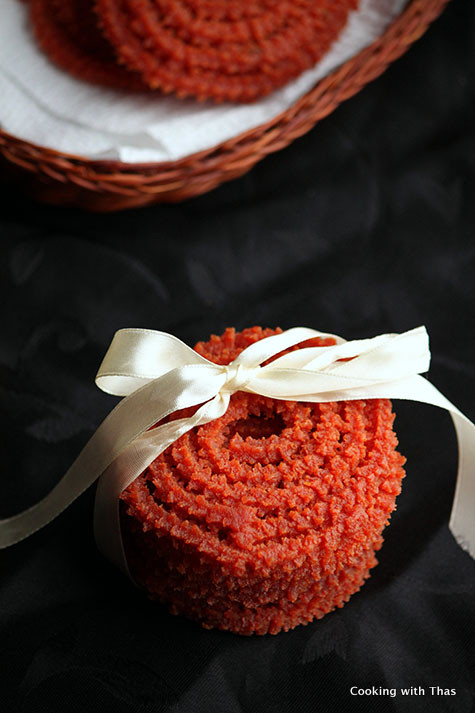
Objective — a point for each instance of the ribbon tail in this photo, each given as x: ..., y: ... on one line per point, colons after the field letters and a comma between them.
x: 123, y: 426
x: 462, y: 518
x: 129, y: 465
x: 18, y: 527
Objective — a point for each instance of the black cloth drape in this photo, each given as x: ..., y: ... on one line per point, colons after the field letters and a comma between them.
x: 365, y: 225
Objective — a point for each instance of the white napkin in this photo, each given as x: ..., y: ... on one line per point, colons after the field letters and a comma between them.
x: 46, y: 106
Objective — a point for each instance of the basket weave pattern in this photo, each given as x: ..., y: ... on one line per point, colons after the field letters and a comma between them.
x: 112, y: 185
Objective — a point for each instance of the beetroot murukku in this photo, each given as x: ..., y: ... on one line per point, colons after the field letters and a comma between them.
x: 68, y: 33
x: 269, y: 516
x: 228, y: 50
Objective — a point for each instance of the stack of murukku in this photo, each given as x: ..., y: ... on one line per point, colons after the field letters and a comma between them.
x: 269, y: 516
x: 68, y: 33
x: 224, y: 50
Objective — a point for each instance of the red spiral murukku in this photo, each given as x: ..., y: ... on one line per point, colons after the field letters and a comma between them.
x: 67, y: 32
x: 226, y: 50
x: 269, y: 516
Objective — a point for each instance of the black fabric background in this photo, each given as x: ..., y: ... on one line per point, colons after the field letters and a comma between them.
x: 365, y: 225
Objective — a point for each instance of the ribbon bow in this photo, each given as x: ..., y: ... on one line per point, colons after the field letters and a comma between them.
x: 158, y: 375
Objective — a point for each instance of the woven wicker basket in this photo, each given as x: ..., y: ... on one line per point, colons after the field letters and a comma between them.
x: 110, y: 185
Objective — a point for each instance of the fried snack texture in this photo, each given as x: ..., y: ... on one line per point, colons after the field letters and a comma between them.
x: 268, y: 517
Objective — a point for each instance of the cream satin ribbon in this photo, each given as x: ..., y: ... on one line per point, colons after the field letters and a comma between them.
x: 158, y: 374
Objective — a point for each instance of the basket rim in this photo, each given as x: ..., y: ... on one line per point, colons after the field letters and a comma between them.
x: 293, y: 112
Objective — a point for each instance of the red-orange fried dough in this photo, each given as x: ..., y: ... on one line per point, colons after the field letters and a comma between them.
x: 268, y: 517
x: 67, y: 32
x: 225, y: 50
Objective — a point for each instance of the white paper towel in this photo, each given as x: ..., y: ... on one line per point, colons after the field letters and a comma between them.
x: 44, y: 105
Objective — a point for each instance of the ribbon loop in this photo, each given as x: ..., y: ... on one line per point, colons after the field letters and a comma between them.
x: 137, y: 356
